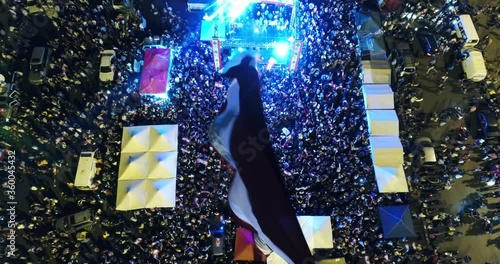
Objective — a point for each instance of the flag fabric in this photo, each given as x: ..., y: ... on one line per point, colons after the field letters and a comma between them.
x: 216, y: 53
x: 297, y: 50
x: 257, y: 195
x: 202, y: 161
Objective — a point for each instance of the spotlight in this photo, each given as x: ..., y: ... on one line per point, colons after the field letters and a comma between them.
x: 237, y: 8
x: 282, y: 49
x: 207, y: 17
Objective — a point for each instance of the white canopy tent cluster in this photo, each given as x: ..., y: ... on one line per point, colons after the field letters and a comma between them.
x: 383, y: 125
x: 148, y: 167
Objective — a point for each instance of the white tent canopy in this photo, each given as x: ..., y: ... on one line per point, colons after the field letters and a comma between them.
x: 162, y: 165
x: 317, y: 231
x: 164, y: 138
x: 378, y: 96
x: 150, y: 138
x: 376, y: 71
x: 391, y: 179
x: 135, y: 139
x: 162, y: 193
x: 131, y: 194
x: 386, y: 151
x: 148, y: 167
x: 383, y: 122
x: 133, y: 166
x: 138, y: 194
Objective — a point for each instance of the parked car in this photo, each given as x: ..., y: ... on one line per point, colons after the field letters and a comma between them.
x: 80, y: 221
x: 50, y: 3
x: 425, y: 146
x: 39, y: 64
x: 8, y: 99
x: 6, y: 112
x: 488, y: 124
x: 119, y: 4
x: 427, y: 42
x: 34, y: 7
x: 474, y: 65
x: 482, y: 122
x: 217, y: 231
x: 107, y: 71
x: 465, y: 8
x: 404, y: 47
x: 405, y: 62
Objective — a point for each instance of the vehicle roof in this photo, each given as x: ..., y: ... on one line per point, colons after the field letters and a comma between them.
x: 490, y: 117
x: 431, y: 41
x: 106, y: 57
x: 422, y: 139
x: 475, y: 58
x: 106, y: 61
x: 38, y: 49
x: 403, y: 45
x: 427, y: 36
x: 468, y: 26
x: 37, y: 54
x: 108, y: 52
x: 83, y: 215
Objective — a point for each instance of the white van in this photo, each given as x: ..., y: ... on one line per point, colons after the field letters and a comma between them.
x: 427, y: 149
x: 473, y: 65
x: 84, y: 179
x: 466, y: 31
x: 39, y: 64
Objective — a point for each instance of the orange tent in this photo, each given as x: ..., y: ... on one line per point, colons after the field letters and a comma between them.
x: 244, y: 248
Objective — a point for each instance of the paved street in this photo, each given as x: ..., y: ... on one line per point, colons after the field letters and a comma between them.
x: 471, y: 243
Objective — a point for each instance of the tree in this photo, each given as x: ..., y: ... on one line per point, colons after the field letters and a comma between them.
x: 128, y: 9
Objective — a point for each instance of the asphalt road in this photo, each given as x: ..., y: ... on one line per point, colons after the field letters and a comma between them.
x: 481, y: 247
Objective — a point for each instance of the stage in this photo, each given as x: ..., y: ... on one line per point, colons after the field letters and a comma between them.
x: 266, y: 28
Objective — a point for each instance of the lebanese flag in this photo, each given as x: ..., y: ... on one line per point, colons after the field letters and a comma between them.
x: 257, y: 195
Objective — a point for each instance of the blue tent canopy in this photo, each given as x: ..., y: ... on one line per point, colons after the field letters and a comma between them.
x: 396, y: 221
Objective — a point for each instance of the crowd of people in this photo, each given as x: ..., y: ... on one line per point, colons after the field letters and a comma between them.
x: 316, y: 118
x: 456, y: 149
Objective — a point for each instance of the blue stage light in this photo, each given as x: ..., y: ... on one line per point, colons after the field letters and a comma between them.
x: 282, y: 49
x: 241, y: 50
x: 237, y: 8
x: 206, y: 17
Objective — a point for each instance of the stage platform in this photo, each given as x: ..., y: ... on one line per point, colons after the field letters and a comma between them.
x: 263, y: 27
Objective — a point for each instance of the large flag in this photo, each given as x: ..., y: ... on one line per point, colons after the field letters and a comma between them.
x: 257, y: 195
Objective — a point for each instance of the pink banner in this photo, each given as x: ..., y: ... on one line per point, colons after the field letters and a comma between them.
x: 154, y: 76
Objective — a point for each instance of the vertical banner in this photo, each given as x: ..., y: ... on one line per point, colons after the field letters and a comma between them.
x: 216, y: 52
x: 294, y: 61
x: 270, y: 64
